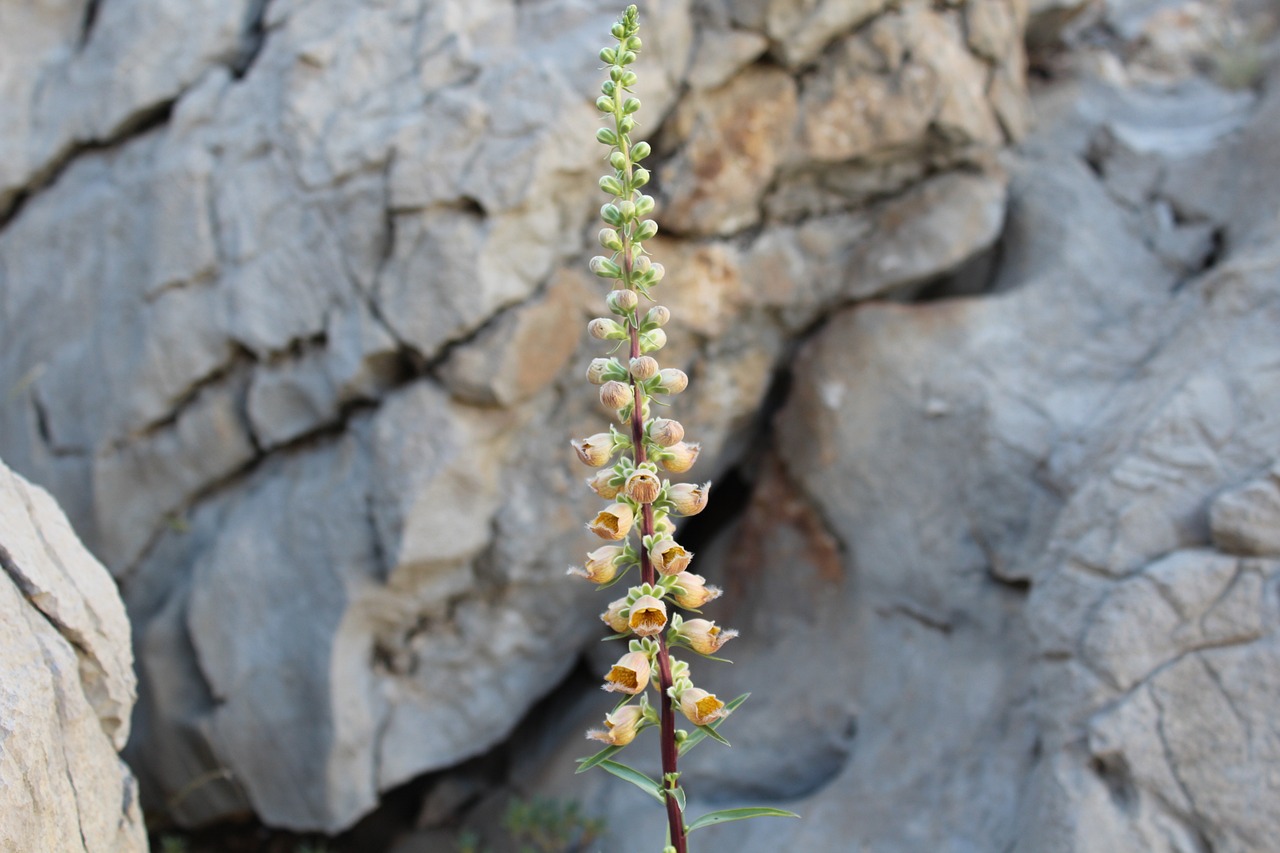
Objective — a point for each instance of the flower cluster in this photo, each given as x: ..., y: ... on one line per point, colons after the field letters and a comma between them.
x: 635, y: 455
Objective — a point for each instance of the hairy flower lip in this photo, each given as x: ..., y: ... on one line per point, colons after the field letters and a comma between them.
x: 613, y: 522
x: 643, y: 486
x: 689, y: 498
x: 648, y: 616
x: 668, y: 557
x: 595, y: 450
x: 630, y: 674
x: 701, y: 707
x: 704, y: 636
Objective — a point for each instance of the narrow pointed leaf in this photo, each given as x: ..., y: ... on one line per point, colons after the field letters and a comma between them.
x: 714, y: 735
x: 635, y: 777
x: 697, y: 735
x: 585, y: 764
x: 678, y: 793
x: 736, y: 814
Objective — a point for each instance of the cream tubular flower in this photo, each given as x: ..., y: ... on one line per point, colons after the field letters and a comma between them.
x: 648, y: 616
x: 700, y: 706
x: 613, y: 522
x: 615, y: 618
x: 668, y: 557
x: 680, y: 457
x: 594, y: 450
x: 643, y: 486
x: 620, y: 727
x: 688, y: 498
x: 601, y: 565
x: 629, y: 675
x: 601, y: 486
x: 704, y: 636
x: 692, y: 591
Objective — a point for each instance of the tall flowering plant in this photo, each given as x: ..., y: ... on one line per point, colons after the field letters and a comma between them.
x: 636, y: 524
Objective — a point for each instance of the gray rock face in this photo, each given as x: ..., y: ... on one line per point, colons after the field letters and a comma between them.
x: 66, y: 687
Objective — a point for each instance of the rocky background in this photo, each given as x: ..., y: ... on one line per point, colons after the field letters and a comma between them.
x: 986, y: 371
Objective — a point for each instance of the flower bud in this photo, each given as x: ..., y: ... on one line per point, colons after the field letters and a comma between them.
x: 610, y: 240
x: 648, y: 616
x: 630, y: 674
x: 704, y: 636
x: 615, y: 618
x: 644, y: 367
x: 639, y: 179
x: 599, y: 369
x: 605, y: 268
x: 610, y: 214
x: 668, y: 557
x: 666, y: 432
x: 641, y: 264
x: 700, y: 706
x: 680, y: 457
x: 601, y: 565
x: 688, y: 498
x: 611, y: 185
x: 673, y: 380
x: 605, y: 329
x: 647, y: 229
x: 604, y: 104
x: 620, y: 726
x: 630, y: 105
x: 659, y: 315
x: 639, y: 151
x: 594, y: 450
x: 627, y: 124
x: 613, y: 522
x: 627, y: 210
x: 644, y: 205
x: 618, y: 160
x: 652, y: 340
x: 600, y: 484
x: 614, y: 395
x: 622, y: 301
x: 628, y: 79
x: 608, y: 56
x: 692, y: 591
x: 643, y: 486
x: 606, y: 136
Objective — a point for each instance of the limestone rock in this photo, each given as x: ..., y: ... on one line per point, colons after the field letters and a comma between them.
x: 68, y: 688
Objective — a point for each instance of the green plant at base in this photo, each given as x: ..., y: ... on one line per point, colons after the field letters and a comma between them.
x: 642, y: 501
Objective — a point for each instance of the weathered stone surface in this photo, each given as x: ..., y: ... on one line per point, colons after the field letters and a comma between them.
x: 67, y: 687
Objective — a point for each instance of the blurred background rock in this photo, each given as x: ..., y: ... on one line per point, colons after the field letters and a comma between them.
x: 980, y: 304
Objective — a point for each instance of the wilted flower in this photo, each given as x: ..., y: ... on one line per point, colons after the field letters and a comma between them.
x: 704, y: 636
x: 595, y: 450
x: 668, y: 557
x: 629, y: 675
x: 680, y: 457
x: 692, y: 591
x: 643, y: 486
x: 666, y: 432
x: 620, y: 727
x: 688, y: 498
x: 648, y: 616
x: 614, y: 617
x: 700, y: 706
x: 601, y: 565
x: 614, y: 395
x: 600, y: 484
x: 613, y: 522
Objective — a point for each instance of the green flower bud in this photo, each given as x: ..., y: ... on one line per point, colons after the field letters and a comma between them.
x: 644, y: 205
x: 646, y: 230
x: 627, y: 57
x: 605, y: 268
x: 611, y: 214
x: 609, y: 239
x: 607, y: 87
x: 641, y: 264
x: 628, y: 79
x: 604, y: 104
x: 619, y: 30
x: 622, y: 301
x: 618, y: 160
x: 606, y: 136
x: 630, y: 106
x: 608, y: 55
x: 640, y: 178
x: 634, y: 43
x: 627, y: 210
x: 639, y: 151
x: 652, y: 340
x: 601, y: 370
x: 659, y: 315
x: 627, y: 125
x: 617, y: 73
x: 611, y: 185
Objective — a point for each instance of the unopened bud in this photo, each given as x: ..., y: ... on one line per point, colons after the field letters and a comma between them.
x: 644, y: 205
x: 609, y: 239
x: 680, y: 457
x: 668, y: 557
x: 639, y: 151
x: 606, y: 329
x: 673, y: 380
x: 652, y: 340
x: 642, y: 486
x: 595, y: 450
x: 613, y: 522
x: 605, y: 268
x: 666, y: 432
x: 614, y: 395
x: 659, y: 315
x: 689, y: 499
x: 601, y: 486
x: 644, y: 367
x: 646, y: 231
x: 622, y: 301
x: 692, y: 592
x: 599, y: 369
x: 641, y: 264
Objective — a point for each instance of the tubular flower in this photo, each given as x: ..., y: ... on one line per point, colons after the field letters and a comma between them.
x: 613, y: 522
x: 629, y: 675
x: 668, y: 557
x: 648, y: 616
x: 700, y: 706
x: 615, y: 617
x: 689, y: 499
x: 692, y: 591
x: 601, y: 565
x: 620, y: 727
x: 601, y: 486
x: 643, y: 486
x: 704, y: 636
x: 595, y: 450
x: 680, y: 457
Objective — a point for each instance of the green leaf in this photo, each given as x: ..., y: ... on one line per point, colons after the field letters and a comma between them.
x: 615, y: 637
x: 713, y: 734
x: 603, y: 755
x: 635, y: 777
x: 695, y: 737
x: 736, y: 814
x: 678, y: 793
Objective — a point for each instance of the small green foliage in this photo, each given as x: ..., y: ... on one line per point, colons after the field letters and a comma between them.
x: 542, y: 825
